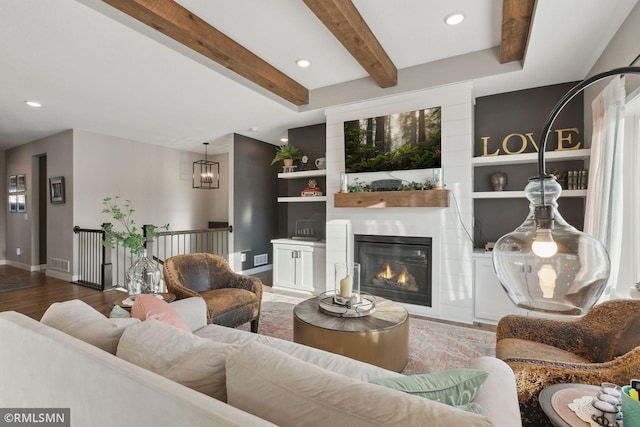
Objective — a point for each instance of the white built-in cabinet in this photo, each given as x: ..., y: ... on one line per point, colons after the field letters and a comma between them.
x: 491, y: 302
x: 299, y: 265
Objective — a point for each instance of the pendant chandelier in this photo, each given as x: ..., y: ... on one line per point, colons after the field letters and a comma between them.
x: 546, y: 264
x: 206, y: 174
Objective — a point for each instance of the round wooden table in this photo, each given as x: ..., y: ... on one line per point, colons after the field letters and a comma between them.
x: 554, y: 401
x: 381, y: 338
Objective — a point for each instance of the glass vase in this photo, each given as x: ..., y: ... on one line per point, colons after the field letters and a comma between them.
x: 347, y: 284
x: 143, y: 277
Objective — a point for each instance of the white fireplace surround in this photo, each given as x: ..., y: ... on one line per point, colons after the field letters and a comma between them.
x: 452, y: 276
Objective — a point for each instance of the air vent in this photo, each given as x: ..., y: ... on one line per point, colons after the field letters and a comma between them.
x: 261, y: 259
x: 59, y: 264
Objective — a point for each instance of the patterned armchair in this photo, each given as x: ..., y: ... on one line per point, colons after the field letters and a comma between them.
x: 602, y: 346
x: 232, y: 299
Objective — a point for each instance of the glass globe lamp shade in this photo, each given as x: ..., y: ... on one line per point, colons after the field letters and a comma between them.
x: 546, y: 264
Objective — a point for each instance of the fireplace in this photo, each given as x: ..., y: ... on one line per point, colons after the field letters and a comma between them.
x: 394, y: 267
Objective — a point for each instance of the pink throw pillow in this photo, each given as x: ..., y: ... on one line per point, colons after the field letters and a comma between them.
x: 147, y: 306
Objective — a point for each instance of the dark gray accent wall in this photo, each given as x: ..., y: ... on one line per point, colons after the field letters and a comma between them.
x: 520, y: 112
x: 255, y: 206
x: 312, y: 141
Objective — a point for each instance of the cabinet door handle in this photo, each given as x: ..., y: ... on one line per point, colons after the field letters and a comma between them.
x: 295, y: 254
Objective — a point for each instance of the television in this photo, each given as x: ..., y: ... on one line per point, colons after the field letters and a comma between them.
x: 400, y: 141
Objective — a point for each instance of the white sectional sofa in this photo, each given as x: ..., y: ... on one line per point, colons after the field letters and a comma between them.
x: 266, y: 381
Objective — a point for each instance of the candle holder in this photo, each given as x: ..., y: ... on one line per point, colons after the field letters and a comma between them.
x: 347, y: 284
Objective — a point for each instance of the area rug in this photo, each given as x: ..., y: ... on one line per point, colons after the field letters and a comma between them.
x: 433, y: 346
x: 7, y: 284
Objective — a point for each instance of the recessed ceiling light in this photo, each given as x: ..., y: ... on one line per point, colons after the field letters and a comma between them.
x: 454, y: 18
x: 303, y: 63
x: 284, y: 139
x: 253, y: 129
x: 33, y: 104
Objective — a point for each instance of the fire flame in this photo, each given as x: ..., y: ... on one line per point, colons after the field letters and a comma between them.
x: 402, y: 278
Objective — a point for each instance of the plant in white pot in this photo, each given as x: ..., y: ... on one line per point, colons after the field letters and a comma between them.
x: 144, y: 275
x: 287, y: 154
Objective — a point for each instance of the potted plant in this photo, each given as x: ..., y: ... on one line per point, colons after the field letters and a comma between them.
x: 287, y: 153
x: 144, y: 274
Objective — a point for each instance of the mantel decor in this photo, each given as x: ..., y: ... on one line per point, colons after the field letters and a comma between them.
x: 393, y: 199
x: 546, y: 264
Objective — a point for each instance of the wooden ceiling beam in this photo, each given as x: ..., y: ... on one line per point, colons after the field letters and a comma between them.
x: 175, y: 21
x: 347, y: 25
x: 516, y: 27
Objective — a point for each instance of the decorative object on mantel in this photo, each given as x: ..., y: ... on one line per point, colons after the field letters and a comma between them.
x: 573, y: 265
x: 144, y: 275
x: 287, y: 154
x: 312, y: 189
x: 393, y: 199
x: 386, y: 185
x: 208, y: 172
x: 498, y: 181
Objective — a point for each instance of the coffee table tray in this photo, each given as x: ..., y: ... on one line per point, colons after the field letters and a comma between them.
x: 365, y: 308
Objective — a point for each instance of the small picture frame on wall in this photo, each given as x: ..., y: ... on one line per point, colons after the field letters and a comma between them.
x: 13, y: 203
x: 13, y: 184
x: 56, y: 185
x: 22, y: 203
x: 21, y: 185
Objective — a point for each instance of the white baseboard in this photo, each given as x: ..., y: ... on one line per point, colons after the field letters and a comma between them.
x: 256, y: 270
x: 22, y: 266
x: 61, y: 275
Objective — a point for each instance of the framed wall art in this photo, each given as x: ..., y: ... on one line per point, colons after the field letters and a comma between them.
x: 56, y: 185
x: 21, y: 184
x: 22, y: 203
x: 13, y: 184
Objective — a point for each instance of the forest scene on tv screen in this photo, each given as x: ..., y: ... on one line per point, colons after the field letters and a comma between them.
x: 399, y: 141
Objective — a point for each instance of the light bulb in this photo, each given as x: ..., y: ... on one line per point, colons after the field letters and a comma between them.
x: 544, y: 246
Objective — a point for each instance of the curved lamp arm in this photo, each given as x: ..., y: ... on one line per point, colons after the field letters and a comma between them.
x: 565, y: 100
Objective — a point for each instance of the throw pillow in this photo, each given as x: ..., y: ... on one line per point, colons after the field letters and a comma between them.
x: 84, y: 322
x: 454, y: 387
x: 118, y: 312
x: 290, y: 392
x: 192, y: 361
x: 147, y: 306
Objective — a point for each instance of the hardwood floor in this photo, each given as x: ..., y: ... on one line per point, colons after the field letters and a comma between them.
x: 35, y: 300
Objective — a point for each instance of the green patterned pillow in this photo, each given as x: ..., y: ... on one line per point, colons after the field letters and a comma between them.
x: 454, y: 387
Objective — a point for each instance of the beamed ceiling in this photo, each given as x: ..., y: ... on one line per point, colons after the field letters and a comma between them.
x: 178, y: 73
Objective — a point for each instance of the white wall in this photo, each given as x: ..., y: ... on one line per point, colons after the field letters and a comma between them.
x: 452, y: 248
x: 156, y: 179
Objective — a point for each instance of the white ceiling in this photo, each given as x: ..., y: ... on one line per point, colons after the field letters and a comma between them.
x: 96, y: 69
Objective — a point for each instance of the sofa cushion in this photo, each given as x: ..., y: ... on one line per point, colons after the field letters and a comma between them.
x: 147, y: 306
x: 290, y: 392
x: 84, y: 322
x: 453, y: 387
x: 516, y: 349
x: 194, y: 362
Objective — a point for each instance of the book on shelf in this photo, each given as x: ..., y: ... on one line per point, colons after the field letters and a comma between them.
x: 577, y: 180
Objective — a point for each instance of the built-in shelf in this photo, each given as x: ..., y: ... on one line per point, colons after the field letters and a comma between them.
x: 520, y: 194
x: 303, y: 174
x: 300, y: 199
x: 393, y: 199
x: 515, y: 159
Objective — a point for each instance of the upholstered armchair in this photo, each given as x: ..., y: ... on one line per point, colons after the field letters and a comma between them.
x: 601, y: 346
x: 232, y: 299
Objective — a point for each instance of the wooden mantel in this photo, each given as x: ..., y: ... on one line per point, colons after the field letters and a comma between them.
x: 393, y: 199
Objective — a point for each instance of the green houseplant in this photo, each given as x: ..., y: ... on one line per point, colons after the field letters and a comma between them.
x: 287, y: 153
x: 144, y: 274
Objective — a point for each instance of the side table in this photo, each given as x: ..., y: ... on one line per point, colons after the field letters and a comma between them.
x: 554, y: 401
x: 122, y: 301
x: 381, y: 338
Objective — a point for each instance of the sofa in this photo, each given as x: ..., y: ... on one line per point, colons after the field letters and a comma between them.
x: 92, y: 367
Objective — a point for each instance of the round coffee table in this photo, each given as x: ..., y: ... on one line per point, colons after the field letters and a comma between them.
x: 381, y: 338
